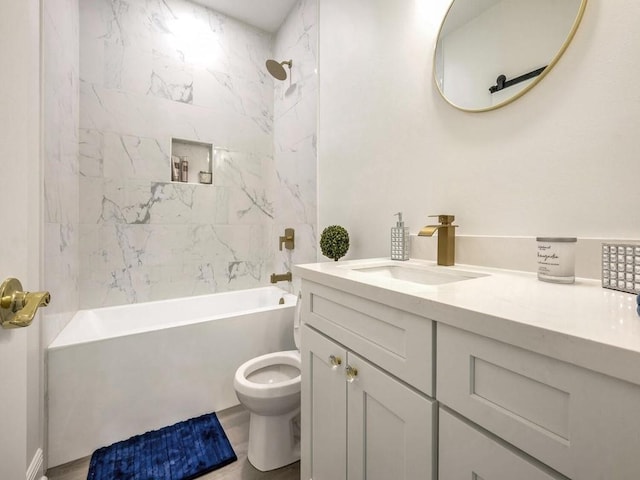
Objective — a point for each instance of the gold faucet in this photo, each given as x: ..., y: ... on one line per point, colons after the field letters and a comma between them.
x: 446, y: 238
x: 281, y: 278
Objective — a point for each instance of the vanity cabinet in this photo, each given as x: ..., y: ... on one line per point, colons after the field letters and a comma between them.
x: 582, y: 424
x: 486, y: 379
x: 358, y: 419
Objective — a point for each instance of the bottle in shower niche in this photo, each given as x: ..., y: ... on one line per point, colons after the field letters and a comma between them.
x: 175, y: 168
x: 184, y: 169
x: 399, y: 240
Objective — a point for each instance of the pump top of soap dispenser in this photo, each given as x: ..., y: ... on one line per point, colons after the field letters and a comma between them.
x: 400, y: 223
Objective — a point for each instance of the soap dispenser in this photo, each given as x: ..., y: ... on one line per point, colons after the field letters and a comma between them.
x: 399, y: 240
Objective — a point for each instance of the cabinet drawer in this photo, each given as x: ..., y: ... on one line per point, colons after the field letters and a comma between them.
x: 466, y: 453
x: 581, y: 423
x: 395, y: 340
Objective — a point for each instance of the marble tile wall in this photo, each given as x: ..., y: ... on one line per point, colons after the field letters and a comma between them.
x: 60, y: 130
x: 295, y: 125
x: 158, y: 69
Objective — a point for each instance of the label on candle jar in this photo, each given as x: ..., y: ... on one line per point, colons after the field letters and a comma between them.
x: 556, y: 259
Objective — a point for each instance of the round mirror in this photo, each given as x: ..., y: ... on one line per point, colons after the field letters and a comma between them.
x: 490, y: 52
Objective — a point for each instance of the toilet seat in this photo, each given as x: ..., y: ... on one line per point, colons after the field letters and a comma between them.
x: 268, y: 390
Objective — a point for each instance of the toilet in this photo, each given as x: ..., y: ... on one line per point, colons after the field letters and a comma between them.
x: 269, y: 387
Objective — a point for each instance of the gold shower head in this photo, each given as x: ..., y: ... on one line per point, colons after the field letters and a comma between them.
x: 277, y: 70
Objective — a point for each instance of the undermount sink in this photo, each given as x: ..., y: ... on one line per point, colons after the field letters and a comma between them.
x: 418, y: 273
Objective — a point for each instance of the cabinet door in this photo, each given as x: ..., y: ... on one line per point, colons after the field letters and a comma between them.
x: 390, y: 434
x: 466, y: 453
x: 324, y: 411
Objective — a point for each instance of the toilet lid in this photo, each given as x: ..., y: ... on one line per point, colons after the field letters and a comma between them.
x: 296, y: 320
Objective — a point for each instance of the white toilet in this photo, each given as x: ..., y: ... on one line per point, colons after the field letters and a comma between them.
x: 269, y: 387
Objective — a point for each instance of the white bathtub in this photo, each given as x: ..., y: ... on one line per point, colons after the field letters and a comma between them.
x: 119, y: 371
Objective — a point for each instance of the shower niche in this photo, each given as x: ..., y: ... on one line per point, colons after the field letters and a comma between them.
x: 191, y: 161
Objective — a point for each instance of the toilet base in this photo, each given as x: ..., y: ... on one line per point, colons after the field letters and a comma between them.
x: 274, y: 440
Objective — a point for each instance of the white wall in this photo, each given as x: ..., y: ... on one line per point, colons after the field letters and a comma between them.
x: 562, y: 160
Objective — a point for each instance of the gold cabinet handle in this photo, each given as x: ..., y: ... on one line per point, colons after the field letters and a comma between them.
x: 335, y: 362
x: 351, y: 372
x: 17, y: 307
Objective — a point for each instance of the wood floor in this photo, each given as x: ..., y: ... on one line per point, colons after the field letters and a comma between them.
x: 235, y: 422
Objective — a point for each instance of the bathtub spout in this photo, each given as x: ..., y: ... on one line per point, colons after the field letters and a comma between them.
x: 281, y: 278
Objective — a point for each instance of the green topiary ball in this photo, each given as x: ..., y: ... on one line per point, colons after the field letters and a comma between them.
x: 334, y: 242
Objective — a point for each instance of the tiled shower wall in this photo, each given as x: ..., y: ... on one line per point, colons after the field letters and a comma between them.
x: 150, y: 71
x: 295, y: 125
x: 60, y: 130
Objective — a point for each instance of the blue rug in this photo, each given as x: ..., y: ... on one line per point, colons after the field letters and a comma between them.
x: 182, y: 451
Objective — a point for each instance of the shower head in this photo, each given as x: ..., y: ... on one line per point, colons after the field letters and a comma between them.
x: 277, y: 70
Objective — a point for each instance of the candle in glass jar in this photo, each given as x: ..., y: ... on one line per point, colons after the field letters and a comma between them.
x: 556, y: 259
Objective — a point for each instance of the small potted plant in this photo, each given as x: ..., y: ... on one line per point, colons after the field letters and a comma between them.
x: 334, y: 242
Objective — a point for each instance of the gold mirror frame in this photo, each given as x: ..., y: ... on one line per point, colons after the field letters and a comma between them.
x: 554, y: 60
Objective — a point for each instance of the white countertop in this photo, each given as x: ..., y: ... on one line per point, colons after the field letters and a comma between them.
x: 581, y: 323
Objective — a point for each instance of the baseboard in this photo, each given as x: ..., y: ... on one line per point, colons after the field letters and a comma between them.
x: 35, y: 467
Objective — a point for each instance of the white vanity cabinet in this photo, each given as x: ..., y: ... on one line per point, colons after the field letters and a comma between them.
x: 358, y: 420
x: 533, y: 381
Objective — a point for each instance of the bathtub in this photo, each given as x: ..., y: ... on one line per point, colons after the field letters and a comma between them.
x: 119, y: 371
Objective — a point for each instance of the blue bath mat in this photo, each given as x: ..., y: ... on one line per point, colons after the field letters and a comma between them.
x: 182, y: 451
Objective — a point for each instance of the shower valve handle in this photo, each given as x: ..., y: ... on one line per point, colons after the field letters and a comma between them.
x: 289, y: 239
